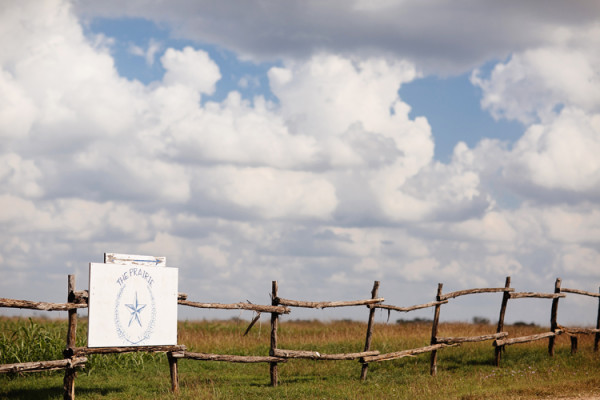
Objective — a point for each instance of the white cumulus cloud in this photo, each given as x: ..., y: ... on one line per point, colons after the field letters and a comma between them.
x: 192, y: 68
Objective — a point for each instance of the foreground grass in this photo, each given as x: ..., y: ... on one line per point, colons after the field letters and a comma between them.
x: 464, y: 372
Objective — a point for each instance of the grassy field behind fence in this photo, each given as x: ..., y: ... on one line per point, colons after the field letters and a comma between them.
x: 464, y: 372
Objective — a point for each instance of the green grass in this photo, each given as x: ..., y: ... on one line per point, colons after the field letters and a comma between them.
x: 464, y: 372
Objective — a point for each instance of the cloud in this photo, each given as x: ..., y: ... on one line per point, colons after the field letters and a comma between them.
x: 494, y: 227
x: 554, y: 89
x: 232, y: 132
x: 534, y: 85
x: 191, y: 68
x: 363, y: 91
x: 335, y: 181
x: 249, y: 81
x: 270, y: 193
x: 561, y: 155
x: 437, y: 35
x: 572, y: 225
x: 579, y: 261
x: 353, y: 110
x: 19, y: 176
x: 149, y: 54
x: 16, y: 109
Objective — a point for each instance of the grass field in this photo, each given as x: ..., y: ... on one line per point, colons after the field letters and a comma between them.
x: 464, y: 372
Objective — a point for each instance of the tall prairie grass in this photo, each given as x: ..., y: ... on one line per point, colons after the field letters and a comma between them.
x: 464, y: 372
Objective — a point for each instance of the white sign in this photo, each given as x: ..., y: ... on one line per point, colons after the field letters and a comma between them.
x: 132, y: 305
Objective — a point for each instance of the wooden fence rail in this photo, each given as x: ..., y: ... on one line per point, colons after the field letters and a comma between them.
x: 86, y: 351
x: 236, y: 306
x: 76, y: 357
x: 39, y: 305
x: 328, y: 304
x: 482, y: 338
x: 526, y: 339
x: 582, y: 292
x: 231, y: 358
x: 453, y: 295
x: 411, y: 308
x: 39, y: 366
x: 532, y: 295
x: 407, y: 353
x: 315, y: 355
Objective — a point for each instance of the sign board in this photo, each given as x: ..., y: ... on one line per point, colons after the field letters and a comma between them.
x: 132, y: 305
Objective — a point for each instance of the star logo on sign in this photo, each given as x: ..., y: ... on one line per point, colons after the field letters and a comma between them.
x: 135, y: 310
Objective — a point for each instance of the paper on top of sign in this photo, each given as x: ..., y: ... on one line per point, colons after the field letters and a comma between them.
x: 134, y: 259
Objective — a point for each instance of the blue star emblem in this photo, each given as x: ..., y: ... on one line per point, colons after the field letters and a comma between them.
x: 135, y: 309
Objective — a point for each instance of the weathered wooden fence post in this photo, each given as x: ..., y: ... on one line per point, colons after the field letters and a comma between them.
x: 434, y: 330
x: 553, y: 318
x: 70, y: 373
x: 369, y: 338
x: 274, y: 324
x: 500, y: 328
x: 573, y: 344
x: 597, y: 337
x: 174, y: 373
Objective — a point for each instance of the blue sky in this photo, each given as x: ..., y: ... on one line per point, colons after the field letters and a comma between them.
x: 320, y: 144
x: 452, y: 106
x: 142, y: 32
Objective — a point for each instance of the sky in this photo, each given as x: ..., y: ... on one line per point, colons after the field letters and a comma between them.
x: 322, y: 144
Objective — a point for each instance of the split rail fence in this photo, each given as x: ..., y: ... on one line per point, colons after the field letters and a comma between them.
x: 76, y: 357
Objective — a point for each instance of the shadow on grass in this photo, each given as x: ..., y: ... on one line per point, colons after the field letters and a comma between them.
x: 303, y: 379
x: 55, y: 392
x: 208, y: 382
x: 190, y: 384
x: 453, y: 364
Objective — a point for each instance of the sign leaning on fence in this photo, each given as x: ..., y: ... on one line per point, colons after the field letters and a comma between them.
x: 132, y: 302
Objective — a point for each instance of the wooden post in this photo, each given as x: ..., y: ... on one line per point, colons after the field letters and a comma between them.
x: 573, y: 344
x: 70, y: 373
x: 553, y: 318
x: 500, y: 328
x: 174, y: 373
x: 274, y: 324
x: 365, y: 366
x: 434, y: 331
x: 597, y: 338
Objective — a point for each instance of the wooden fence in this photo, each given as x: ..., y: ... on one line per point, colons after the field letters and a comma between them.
x: 76, y: 357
